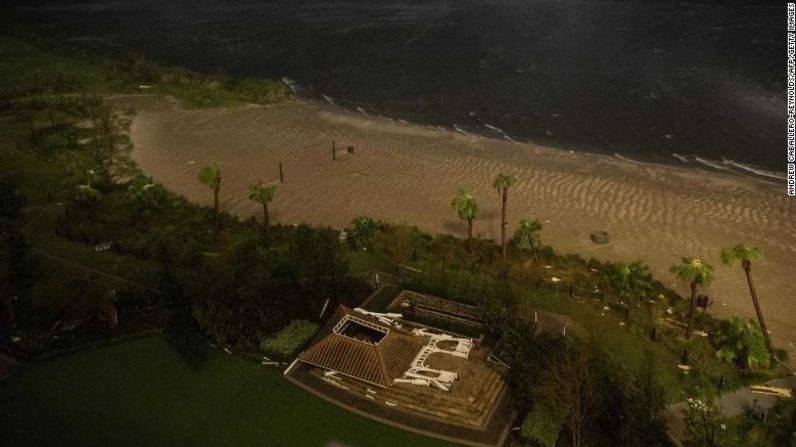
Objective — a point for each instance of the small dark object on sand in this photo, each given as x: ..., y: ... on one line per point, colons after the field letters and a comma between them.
x: 599, y: 237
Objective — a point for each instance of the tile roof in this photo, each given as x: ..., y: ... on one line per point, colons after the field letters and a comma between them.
x: 377, y: 364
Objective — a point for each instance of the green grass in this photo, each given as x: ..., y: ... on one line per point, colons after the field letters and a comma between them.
x: 140, y: 393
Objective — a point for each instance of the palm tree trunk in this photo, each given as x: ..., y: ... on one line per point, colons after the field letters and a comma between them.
x: 503, y: 222
x: 747, y: 267
x: 266, y: 222
x: 469, y: 235
x: 690, y: 329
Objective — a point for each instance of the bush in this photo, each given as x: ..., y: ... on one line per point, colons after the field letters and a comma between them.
x: 186, y: 337
x: 289, y: 339
x: 543, y: 425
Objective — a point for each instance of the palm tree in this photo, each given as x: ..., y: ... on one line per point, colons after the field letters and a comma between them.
x: 743, y: 343
x: 210, y: 176
x: 86, y: 193
x: 364, y: 229
x: 697, y: 273
x: 144, y: 191
x: 527, y: 235
x: 263, y: 194
x: 466, y: 207
x: 502, y: 184
x: 746, y: 255
x: 631, y: 281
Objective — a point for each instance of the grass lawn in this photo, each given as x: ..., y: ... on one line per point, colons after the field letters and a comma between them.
x: 140, y: 393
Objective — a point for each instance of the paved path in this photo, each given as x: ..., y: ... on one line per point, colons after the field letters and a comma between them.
x: 732, y: 404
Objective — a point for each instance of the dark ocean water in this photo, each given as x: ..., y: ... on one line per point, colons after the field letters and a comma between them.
x: 667, y: 82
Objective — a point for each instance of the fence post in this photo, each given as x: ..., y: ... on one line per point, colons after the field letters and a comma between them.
x: 334, y: 152
x: 281, y: 175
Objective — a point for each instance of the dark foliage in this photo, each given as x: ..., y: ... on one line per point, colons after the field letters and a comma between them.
x: 187, y: 338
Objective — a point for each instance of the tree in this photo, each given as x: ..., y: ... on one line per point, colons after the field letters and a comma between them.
x: 645, y: 400
x: 527, y: 235
x: 210, y: 176
x: 145, y: 192
x: 364, y: 230
x: 86, y: 194
x: 467, y: 209
x: 542, y: 425
x: 746, y: 255
x: 402, y: 242
x: 631, y: 281
x: 743, y: 343
x: 697, y: 273
x: 502, y: 183
x: 572, y: 382
x: 263, y: 194
x: 704, y: 420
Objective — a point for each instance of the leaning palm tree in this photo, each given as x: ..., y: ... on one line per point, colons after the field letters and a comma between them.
x: 527, y: 235
x: 502, y: 184
x: 467, y: 209
x: 210, y: 176
x: 263, y: 194
x: 697, y: 273
x: 746, y: 255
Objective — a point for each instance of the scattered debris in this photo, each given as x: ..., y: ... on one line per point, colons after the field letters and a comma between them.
x: 103, y: 246
x: 772, y: 390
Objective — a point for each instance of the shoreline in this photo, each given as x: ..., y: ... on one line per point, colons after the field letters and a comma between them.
x: 747, y: 170
x: 407, y: 173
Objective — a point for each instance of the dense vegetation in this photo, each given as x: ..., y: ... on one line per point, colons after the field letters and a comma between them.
x: 86, y: 236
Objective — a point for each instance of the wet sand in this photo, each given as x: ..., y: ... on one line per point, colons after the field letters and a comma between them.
x: 403, y: 172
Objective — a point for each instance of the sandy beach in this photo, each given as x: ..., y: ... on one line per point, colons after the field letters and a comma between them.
x: 402, y: 172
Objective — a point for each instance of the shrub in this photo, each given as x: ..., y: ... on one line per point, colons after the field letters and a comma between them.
x: 289, y: 339
x: 543, y: 425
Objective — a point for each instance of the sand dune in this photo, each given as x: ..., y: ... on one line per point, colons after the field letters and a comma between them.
x: 409, y: 173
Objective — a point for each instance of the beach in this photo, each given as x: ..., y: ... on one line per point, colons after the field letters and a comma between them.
x: 407, y: 173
